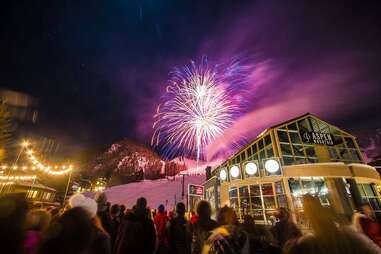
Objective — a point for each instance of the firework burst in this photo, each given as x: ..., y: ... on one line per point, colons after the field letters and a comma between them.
x: 197, y: 107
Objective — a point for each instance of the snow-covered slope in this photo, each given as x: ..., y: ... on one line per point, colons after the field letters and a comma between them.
x: 155, y: 191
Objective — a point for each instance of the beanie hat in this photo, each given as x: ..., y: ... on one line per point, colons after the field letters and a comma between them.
x: 88, y: 204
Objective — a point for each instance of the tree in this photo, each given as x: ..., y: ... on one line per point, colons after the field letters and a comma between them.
x: 5, y: 130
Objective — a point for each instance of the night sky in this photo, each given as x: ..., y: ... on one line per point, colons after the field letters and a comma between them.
x: 99, y: 68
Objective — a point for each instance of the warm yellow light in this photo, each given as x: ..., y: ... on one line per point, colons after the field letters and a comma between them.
x: 14, y: 167
x: 30, y: 152
x: 4, y: 166
x: 24, y: 167
x: 25, y: 143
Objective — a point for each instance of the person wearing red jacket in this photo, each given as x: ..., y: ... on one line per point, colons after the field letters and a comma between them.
x: 160, y: 221
x: 369, y: 225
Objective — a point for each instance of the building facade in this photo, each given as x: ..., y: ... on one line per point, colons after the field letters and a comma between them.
x: 286, y: 161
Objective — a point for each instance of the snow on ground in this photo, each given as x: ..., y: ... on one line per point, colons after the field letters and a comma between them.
x: 155, y: 191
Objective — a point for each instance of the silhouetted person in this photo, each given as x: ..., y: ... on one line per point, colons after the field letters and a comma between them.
x: 368, y: 224
x: 228, y: 237
x: 13, y: 210
x: 137, y: 232
x: 260, y: 239
x: 103, y: 210
x: 326, y: 236
x: 284, y: 229
x: 179, y: 237
x: 200, y: 230
x: 37, y: 223
x: 101, y: 240
x: 114, y: 223
x: 71, y: 233
x: 122, y: 212
x: 161, y: 221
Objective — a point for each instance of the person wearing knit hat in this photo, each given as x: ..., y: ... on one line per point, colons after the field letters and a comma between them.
x: 88, y: 204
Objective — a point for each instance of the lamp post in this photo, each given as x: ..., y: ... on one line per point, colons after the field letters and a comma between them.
x: 67, y: 186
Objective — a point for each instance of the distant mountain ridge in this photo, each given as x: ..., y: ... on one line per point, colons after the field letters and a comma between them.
x: 127, y: 161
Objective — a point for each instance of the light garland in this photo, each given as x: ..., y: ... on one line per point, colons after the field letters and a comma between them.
x: 38, y: 165
x: 7, y: 183
x: 21, y: 177
x: 56, y: 170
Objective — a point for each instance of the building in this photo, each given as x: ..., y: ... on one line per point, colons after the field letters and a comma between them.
x: 286, y: 161
x: 35, y: 192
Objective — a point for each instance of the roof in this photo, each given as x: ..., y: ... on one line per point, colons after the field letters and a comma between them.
x: 265, y: 131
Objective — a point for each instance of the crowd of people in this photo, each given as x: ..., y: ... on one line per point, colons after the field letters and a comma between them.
x: 87, y: 226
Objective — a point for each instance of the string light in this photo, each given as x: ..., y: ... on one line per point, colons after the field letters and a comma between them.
x: 58, y: 170
x: 21, y: 177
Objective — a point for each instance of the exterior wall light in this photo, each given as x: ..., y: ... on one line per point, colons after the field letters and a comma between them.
x: 251, y: 168
x: 272, y: 166
x: 234, y: 171
x: 223, y: 175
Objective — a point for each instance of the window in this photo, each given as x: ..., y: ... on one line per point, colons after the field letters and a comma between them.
x: 369, y: 196
x: 295, y: 138
x: 267, y: 140
x: 283, y: 137
x: 286, y: 149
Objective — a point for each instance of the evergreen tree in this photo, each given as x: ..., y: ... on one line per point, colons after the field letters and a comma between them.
x: 5, y: 127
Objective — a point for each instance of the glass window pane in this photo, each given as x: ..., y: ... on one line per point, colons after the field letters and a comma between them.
x: 260, y: 144
x: 267, y: 189
x: 368, y: 190
x: 249, y: 152
x: 267, y: 140
x: 262, y: 155
x: 279, y: 188
x: 312, y: 160
x: 355, y: 155
x: 345, y: 154
x: 254, y: 148
x: 243, y: 191
x: 288, y: 160
x: 300, y: 160
x: 349, y: 142
x: 244, y: 204
x: 337, y: 140
x: 233, y: 193
x: 304, y: 125
x: 254, y: 190
x: 375, y: 204
x: 269, y: 202
x: 295, y: 138
x: 234, y: 203
x: 258, y: 215
x: 282, y: 201
x: 361, y: 190
x: 269, y: 152
x: 286, y: 149
x: 333, y: 153
x: 283, y: 137
x: 298, y: 150
x: 295, y: 187
x: 308, y: 186
x: 256, y: 203
x: 292, y: 127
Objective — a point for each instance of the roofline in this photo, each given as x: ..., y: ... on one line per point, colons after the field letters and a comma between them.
x: 267, y: 130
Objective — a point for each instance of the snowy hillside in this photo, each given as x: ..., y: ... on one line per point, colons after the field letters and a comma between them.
x: 156, y: 191
x: 127, y: 161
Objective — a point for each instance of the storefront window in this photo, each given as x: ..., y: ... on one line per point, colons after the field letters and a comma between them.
x: 233, y: 198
